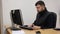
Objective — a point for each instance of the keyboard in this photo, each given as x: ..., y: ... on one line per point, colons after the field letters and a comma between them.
x: 14, y: 28
x: 26, y: 27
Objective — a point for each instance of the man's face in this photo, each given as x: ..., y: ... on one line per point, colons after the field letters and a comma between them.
x: 39, y: 8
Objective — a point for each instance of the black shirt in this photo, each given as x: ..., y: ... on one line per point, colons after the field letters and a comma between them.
x: 49, y: 22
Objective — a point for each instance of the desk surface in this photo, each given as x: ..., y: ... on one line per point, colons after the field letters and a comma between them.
x: 43, y: 31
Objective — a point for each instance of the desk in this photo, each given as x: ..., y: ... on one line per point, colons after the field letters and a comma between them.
x: 43, y: 31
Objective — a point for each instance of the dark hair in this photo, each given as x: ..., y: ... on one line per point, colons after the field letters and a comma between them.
x: 40, y: 3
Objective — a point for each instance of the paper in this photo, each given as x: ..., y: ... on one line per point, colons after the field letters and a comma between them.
x: 18, y: 32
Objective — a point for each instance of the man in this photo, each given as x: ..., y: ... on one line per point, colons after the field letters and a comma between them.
x: 42, y: 21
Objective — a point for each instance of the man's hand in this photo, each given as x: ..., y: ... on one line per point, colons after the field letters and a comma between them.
x: 31, y: 25
x: 36, y: 27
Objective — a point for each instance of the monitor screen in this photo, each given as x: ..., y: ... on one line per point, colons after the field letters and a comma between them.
x: 16, y: 16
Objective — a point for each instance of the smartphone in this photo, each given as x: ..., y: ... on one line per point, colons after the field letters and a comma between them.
x: 38, y: 32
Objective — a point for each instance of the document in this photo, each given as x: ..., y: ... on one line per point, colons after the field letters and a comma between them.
x: 18, y: 32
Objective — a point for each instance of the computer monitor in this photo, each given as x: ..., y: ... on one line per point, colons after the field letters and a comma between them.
x: 16, y: 17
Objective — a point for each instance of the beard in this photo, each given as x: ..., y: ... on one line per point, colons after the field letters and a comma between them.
x: 39, y: 11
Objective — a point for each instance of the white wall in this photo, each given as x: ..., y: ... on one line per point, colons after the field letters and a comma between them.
x: 28, y: 9
x: 1, y: 21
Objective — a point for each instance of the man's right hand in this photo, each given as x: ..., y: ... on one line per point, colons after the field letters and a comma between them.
x: 34, y: 27
x: 31, y: 25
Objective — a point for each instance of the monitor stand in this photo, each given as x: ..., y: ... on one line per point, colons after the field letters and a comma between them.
x: 15, y: 27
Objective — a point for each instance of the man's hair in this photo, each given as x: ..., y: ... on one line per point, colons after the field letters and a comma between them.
x: 40, y: 3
